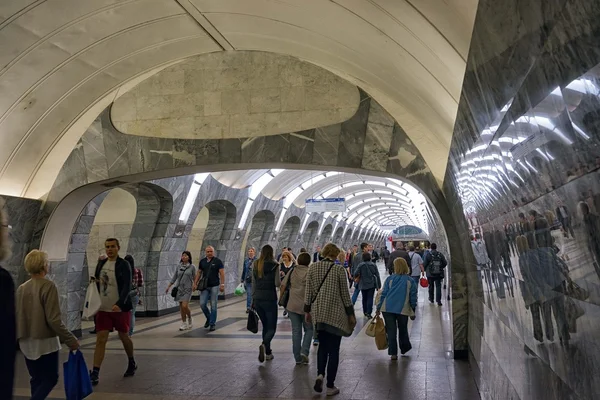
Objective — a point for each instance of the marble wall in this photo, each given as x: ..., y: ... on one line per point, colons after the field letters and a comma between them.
x: 524, y: 172
x: 20, y: 214
x: 235, y: 94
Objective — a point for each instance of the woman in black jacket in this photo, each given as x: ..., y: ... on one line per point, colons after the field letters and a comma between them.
x: 265, y: 280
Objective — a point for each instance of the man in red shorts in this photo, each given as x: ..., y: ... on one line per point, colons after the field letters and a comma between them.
x: 113, y: 277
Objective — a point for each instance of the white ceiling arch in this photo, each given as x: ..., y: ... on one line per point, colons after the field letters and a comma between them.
x: 64, y: 61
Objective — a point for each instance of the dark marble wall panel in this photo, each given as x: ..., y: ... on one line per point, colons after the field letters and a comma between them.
x: 524, y: 171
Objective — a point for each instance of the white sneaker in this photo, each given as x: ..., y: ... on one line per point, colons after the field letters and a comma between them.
x: 333, y: 391
x: 189, y: 323
x: 184, y: 327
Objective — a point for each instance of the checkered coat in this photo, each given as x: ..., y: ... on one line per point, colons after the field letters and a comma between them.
x: 331, y: 306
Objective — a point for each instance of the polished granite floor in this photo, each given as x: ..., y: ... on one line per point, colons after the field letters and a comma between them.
x: 223, y: 364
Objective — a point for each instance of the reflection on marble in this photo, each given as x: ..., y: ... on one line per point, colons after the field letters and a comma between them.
x: 525, y: 172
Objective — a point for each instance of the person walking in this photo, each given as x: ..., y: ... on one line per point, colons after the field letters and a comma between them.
x: 40, y: 329
x: 288, y: 262
x: 8, y: 320
x: 317, y: 255
x: 328, y: 307
x: 435, y: 262
x: 183, y: 280
x: 416, y: 264
x: 296, y: 280
x: 113, y: 278
x: 212, y: 269
x: 369, y: 280
x: 247, y: 276
x: 398, y: 302
x: 399, y: 252
x: 136, y: 284
x: 265, y: 281
x: 357, y: 259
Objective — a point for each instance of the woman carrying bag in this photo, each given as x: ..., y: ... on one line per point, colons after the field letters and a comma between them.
x: 40, y: 329
x: 398, y: 303
x: 287, y: 263
x: 328, y: 306
x: 265, y: 281
x: 182, y: 292
x: 295, y: 283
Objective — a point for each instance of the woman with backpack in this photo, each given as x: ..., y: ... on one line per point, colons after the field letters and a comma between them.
x: 367, y: 276
x: 328, y: 306
x: 296, y: 281
x: 183, y: 280
x: 265, y: 281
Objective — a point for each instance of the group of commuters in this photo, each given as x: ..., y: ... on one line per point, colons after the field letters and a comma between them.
x: 318, y: 304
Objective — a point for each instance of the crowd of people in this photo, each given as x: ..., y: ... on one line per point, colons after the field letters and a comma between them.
x: 314, y: 290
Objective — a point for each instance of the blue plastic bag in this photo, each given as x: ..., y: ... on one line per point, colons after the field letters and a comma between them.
x: 77, y: 379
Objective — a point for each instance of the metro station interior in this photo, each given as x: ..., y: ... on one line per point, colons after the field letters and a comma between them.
x: 174, y: 125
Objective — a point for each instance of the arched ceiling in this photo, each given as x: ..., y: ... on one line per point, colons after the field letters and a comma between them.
x: 61, y: 62
x: 382, y: 201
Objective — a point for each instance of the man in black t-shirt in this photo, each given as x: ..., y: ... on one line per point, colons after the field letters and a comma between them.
x: 399, y: 252
x: 211, y: 268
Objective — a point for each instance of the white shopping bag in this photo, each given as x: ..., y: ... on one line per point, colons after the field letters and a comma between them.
x: 92, y: 302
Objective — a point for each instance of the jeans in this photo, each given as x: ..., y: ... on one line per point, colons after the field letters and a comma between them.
x: 300, y: 345
x: 328, y: 355
x: 397, y: 324
x: 367, y: 300
x: 437, y: 281
x: 44, y: 375
x: 248, y: 287
x: 213, y: 293
x: 134, y: 300
x: 355, y: 294
x: 267, y: 312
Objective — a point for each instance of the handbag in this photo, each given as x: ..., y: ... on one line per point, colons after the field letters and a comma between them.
x: 424, y: 282
x: 370, y: 331
x: 76, y: 377
x: 381, y: 340
x: 175, y: 290
x: 252, y: 324
x: 285, y: 296
x: 572, y: 312
x: 575, y: 291
x: 203, y: 283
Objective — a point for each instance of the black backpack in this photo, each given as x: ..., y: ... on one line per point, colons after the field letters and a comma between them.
x: 436, y: 266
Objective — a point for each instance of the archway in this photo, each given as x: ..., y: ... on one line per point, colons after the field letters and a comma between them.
x: 326, y: 235
x: 337, y: 237
x: 288, y: 235
x: 310, y: 235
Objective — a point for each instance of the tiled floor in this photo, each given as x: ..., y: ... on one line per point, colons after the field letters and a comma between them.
x: 223, y: 364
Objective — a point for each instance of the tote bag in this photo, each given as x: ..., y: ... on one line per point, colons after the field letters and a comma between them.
x: 92, y: 302
x: 76, y: 377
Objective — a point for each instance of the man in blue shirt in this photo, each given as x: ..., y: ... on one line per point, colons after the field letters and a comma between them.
x: 247, y: 276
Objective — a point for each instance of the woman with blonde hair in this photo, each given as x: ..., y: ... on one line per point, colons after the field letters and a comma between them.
x: 8, y: 333
x: 265, y: 281
x: 398, y: 302
x: 328, y: 306
x: 39, y: 326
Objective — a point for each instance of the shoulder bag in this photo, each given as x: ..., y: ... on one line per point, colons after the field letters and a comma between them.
x: 175, y: 290
x: 203, y: 283
x: 321, y: 285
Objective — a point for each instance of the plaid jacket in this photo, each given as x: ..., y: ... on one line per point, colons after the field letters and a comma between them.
x: 332, y: 304
x: 138, y: 280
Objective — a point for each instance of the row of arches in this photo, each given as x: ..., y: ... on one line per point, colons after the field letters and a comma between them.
x: 145, y: 218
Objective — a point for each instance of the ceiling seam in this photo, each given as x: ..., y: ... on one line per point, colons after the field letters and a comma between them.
x: 20, y: 13
x: 205, y: 24
x: 399, y: 45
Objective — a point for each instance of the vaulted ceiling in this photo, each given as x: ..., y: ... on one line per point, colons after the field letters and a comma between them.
x: 63, y: 61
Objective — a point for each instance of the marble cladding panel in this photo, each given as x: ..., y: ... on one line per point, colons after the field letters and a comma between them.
x: 524, y: 171
x: 244, y: 99
x: 20, y: 216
